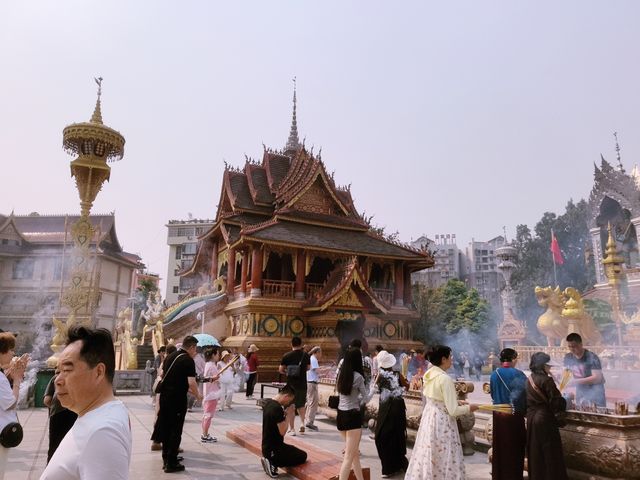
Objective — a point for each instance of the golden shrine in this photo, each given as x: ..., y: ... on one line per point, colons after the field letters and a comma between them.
x: 288, y: 255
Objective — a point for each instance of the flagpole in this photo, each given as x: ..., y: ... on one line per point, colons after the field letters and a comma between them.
x: 553, y: 260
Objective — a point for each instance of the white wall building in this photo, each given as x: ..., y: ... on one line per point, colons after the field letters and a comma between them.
x: 182, y: 238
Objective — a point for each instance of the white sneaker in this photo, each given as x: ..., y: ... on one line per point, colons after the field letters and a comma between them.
x: 292, y: 433
x: 208, y: 439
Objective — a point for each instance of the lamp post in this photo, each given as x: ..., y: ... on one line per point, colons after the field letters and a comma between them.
x: 95, y: 145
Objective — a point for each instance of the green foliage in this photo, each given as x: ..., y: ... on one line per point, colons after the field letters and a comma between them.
x: 453, y: 314
x: 535, y: 264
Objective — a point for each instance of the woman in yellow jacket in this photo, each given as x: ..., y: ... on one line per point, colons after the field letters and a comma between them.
x: 437, y: 453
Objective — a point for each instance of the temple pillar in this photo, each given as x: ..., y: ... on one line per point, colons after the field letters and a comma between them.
x: 399, y: 287
x: 213, y: 272
x: 408, y: 290
x: 256, y: 271
x: 243, y: 273
x: 231, y: 273
x: 301, y: 260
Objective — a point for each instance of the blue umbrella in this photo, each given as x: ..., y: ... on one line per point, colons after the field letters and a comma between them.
x: 204, y: 340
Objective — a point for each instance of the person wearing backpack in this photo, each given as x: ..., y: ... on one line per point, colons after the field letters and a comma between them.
x: 294, y: 365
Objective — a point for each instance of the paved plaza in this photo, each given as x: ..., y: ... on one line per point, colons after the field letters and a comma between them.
x: 222, y: 460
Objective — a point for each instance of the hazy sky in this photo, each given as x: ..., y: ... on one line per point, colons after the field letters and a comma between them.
x: 446, y: 117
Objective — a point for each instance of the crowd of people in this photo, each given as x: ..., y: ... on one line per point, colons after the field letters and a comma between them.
x: 90, y: 433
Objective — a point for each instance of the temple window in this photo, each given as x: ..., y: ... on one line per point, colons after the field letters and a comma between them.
x: 320, y: 270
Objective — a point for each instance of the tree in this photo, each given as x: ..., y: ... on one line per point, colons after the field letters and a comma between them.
x: 454, y: 315
x: 535, y: 264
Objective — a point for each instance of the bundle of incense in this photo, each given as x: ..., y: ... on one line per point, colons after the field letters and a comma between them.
x: 566, y: 376
x: 233, y: 360
x: 500, y: 408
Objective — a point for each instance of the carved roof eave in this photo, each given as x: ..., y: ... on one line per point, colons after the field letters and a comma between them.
x: 414, y: 262
x: 9, y: 221
x: 353, y: 277
x: 320, y: 223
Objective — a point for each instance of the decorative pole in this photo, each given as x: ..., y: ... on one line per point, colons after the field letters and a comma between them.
x: 95, y: 145
x: 615, y: 273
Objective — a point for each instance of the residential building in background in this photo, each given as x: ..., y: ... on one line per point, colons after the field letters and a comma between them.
x: 480, y: 269
x: 35, y: 263
x: 446, y: 256
x: 182, y: 238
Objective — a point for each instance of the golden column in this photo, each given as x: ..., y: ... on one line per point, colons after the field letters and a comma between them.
x: 615, y: 273
x: 95, y: 145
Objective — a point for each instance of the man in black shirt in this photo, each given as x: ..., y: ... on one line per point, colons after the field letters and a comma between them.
x: 274, y: 425
x: 179, y: 377
x: 294, y: 365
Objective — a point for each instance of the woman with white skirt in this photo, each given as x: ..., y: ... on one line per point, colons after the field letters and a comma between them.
x: 437, y: 452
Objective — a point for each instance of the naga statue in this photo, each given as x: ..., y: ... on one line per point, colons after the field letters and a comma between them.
x: 551, y: 323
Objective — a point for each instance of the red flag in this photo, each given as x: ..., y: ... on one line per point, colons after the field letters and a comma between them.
x: 555, y: 250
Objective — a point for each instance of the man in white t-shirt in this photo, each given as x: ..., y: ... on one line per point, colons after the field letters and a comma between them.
x: 98, y: 446
x: 313, y: 378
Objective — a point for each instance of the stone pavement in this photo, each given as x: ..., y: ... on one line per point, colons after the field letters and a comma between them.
x: 222, y: 460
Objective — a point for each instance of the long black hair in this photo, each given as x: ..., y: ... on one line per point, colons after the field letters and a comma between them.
x: 352, y: 363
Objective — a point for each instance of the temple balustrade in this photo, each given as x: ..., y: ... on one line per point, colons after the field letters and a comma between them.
x: 278, y: 288
x: 313, y: 288
x: 385, y: 294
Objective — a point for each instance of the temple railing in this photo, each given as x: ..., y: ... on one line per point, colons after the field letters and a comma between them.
x: 384, y: 294
x: 277, y: 288
x: 238, y: 288
x: 312, y: 289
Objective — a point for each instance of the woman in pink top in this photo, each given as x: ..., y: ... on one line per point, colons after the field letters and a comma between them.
x: 211, y: 392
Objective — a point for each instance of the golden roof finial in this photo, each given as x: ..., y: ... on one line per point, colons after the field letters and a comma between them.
x: 97, y: 112
x: 611, y: 250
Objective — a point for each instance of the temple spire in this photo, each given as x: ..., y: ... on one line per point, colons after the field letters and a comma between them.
x: 293, y: 143
x: 620, y: 167
x: 97, y: 112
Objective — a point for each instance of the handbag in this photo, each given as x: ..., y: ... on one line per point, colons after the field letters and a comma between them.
x: 159, y: 383
x: 561, y: 416
x: 11, y: 435
x: 333, y: 402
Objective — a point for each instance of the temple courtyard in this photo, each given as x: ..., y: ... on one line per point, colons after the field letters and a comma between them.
x: 222, y: 460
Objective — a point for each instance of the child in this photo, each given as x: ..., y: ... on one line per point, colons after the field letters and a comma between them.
x: 227, y: 381
x: 212, y: 393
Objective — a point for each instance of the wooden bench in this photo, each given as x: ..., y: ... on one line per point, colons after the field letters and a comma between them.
x: 321, y: 464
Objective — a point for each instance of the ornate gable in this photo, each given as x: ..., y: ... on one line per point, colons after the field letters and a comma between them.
x: 317, y: 199
x: 8, y: 231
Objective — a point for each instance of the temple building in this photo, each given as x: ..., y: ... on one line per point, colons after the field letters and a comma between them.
x: 288, y: 255
x: 615, y: 201
x: 35, y: 264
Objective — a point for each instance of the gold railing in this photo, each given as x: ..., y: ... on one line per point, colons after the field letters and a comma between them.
x: 277, y: 288
x: 385, y: 294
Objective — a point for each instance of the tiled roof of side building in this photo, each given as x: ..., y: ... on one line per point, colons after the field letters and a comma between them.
x: 276, y: 167
x: 333, y: 239
x: 258, y: 184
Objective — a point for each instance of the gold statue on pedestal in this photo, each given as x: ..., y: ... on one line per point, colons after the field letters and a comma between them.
x: 565, y: 314
x: 154, y: 321
x: 128, y: 345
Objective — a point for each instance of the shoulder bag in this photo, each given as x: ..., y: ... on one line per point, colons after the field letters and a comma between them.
x: 513, y: 409
x: 561, y: 416
x: 11, y: 435
x: 158, y: 387
x: 295, y: 371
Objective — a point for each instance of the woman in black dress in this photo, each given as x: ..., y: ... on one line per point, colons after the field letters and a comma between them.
x: 391, y: 425
x: 544, y: 447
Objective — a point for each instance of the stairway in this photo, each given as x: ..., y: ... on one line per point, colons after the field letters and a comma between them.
x: 145, y: 352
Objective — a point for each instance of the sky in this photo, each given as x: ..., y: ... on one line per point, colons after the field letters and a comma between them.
x: 445, y: 117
